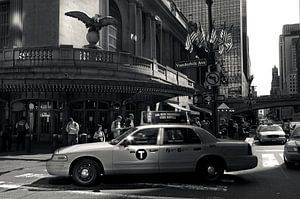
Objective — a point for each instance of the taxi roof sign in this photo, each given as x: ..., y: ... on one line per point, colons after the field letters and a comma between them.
x: 164, y: 117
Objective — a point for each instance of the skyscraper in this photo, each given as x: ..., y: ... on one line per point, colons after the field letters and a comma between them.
x: 287, y: 58
x: 287, y: 65
x: 275, y: 86
x: 226, y: 13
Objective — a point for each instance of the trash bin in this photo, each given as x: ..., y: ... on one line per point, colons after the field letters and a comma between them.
x: 83, y: 138
x: 28, y: 138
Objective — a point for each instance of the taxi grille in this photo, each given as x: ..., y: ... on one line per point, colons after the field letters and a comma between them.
x: 273, y: 136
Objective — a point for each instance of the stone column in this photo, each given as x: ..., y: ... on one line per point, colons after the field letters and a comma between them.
x: 16, y: 22
x: 139, y: 43
x: 147, y: 51
x: 153, y: 32
x: 133, y: 27
x: 104, y: 11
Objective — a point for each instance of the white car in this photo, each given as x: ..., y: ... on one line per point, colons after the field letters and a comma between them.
x: 153, y: 149
x: 270, y: 133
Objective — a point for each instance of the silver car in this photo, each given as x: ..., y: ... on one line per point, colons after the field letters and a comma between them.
x: 153, y: 149
x: 270, y: 133
x: 291, y: 152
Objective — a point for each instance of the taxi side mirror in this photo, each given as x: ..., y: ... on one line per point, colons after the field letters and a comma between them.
x: 125, y: 143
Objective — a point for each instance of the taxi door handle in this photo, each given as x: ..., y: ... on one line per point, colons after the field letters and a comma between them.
x: 197, y: 149
x: 153, y: 150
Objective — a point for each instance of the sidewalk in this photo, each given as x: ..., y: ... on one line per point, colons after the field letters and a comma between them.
x: 39, y: 152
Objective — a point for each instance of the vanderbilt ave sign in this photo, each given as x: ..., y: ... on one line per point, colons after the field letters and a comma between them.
x: 192, y: 63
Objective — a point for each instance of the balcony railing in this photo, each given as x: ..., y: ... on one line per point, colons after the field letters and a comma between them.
x: 67, y: 56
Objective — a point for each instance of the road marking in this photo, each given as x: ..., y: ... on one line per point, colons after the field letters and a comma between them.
x: 190, y: 187
x: 31, y: 175
x: 269, y: 150
x: 269, y: 160
x: 9, y: 185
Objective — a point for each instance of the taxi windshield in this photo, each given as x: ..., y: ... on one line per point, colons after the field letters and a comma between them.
x: 296, y: 133
x: 270, y: 128
x: 122, y: 136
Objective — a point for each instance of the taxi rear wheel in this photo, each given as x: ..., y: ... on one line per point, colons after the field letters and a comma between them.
x: 210, y: 169
x: 85, y: 172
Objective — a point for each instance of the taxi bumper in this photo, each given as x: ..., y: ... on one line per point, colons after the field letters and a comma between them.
x: 57, y: 168
x: 241, y: 163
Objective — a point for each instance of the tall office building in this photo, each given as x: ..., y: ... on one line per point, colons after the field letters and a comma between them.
x: 236, y: 61
x: 287, y: 65
x: 275, y: 85
x: 287, y: 58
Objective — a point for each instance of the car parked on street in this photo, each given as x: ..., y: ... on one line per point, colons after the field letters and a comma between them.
x: 270, y: 133
x: 159, y: 148
x: 291, y: 152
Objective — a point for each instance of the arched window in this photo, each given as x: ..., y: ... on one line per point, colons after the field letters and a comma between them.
x: 115, y: 32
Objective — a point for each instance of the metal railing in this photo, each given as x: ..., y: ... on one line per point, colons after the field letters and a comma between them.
x: 68, y: 56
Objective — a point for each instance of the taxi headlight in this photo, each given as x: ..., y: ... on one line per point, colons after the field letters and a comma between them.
x: 59, y: 157
x: 291, y: 149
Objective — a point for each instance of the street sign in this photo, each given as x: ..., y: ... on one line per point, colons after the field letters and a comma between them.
x: 192, y: 63
x: 212, y: 79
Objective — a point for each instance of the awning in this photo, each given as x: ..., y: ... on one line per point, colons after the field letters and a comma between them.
x: 224, y: 107
x: 182, y: 108
x: 205, y: 110
x: 178, y: 107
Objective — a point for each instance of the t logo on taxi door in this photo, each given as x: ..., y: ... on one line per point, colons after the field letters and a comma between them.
x: 141, y: 154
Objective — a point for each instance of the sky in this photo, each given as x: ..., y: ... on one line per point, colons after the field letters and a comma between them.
x: 265, y: 19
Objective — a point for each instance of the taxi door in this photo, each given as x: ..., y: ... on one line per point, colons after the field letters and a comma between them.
x: 179, y: 150
x: 139, y: 155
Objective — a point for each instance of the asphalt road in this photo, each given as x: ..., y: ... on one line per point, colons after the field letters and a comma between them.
x: 270, y: 179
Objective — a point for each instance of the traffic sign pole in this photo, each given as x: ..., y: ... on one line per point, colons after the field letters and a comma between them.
x: 212, y: 69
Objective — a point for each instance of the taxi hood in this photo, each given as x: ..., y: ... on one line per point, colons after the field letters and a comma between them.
x: 84, y: 147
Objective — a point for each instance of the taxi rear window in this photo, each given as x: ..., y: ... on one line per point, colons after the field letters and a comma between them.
x: 180, y: 136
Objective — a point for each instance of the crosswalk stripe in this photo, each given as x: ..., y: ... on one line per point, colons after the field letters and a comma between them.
x: 269, y: 160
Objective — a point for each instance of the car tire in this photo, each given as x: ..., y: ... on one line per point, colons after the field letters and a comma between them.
x: 85, y: 172
x: 210, y: 169
x: 288, y: 164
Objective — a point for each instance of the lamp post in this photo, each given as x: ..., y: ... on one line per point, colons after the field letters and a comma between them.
x: 211, y: 56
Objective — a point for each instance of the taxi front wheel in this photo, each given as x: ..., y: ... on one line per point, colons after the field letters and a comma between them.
x: 210, y: 169
x: 85, y: 172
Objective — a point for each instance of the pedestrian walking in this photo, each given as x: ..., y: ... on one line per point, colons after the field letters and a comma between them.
x: 129, y: 122
x: 99, y: 135
x: 116, y: 127
x: 72, y: 129
x: 7, y: 136
x: 22, y: 128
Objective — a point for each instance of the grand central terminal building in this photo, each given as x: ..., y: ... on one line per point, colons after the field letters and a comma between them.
x: 48, y: 72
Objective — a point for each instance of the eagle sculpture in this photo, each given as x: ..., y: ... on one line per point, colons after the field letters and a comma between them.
x: 94, y: 24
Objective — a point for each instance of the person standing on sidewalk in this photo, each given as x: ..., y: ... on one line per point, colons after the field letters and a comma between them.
x: 116, y: 127
x: 22, y: 128
x: 72, y: 129
x: 7, y: 136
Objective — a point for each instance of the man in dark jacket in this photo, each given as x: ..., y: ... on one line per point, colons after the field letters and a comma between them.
x: 22, y: 128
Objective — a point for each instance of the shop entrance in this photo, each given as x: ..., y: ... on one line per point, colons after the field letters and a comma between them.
x: 44, y: 118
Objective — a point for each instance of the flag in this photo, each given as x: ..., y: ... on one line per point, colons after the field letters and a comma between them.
x: 188, y: 43
x: 213, y: 36
x: 191, y: 39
